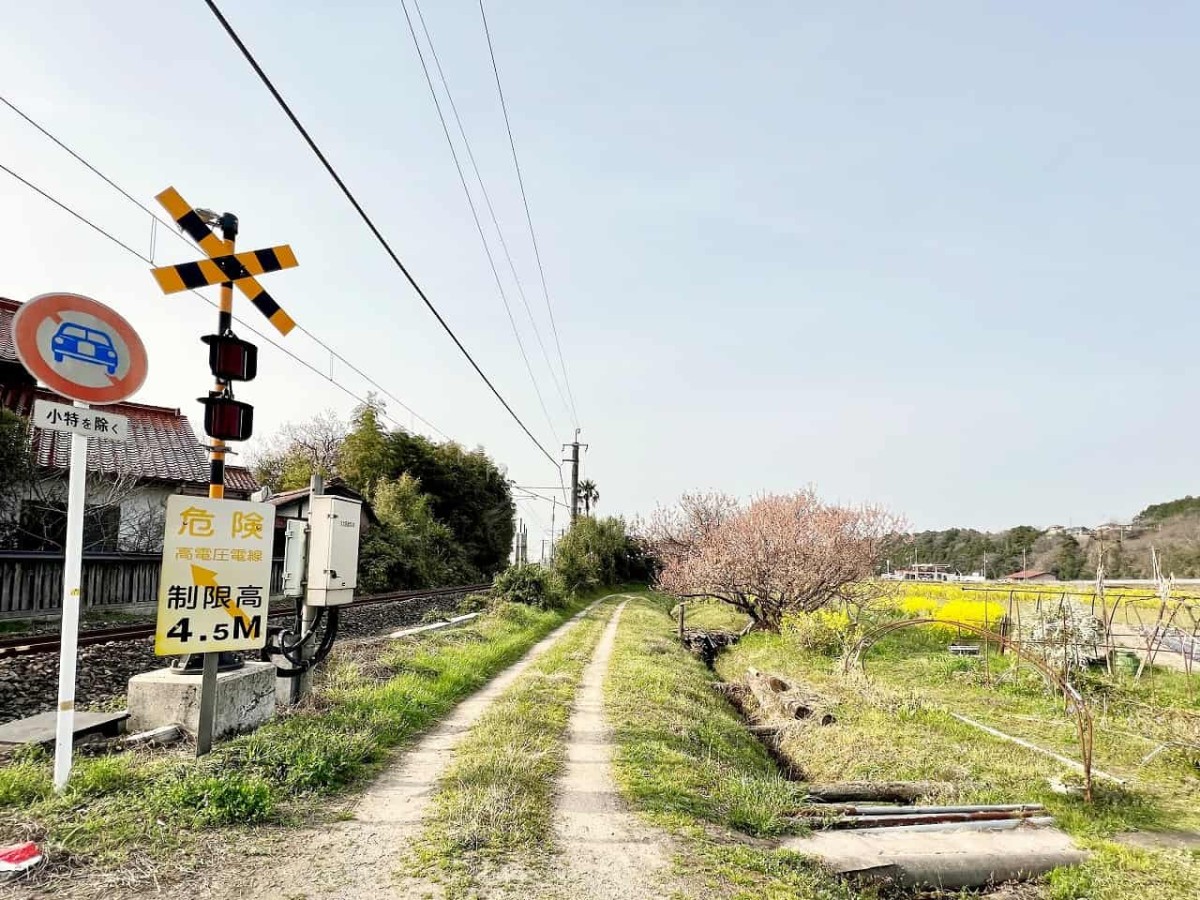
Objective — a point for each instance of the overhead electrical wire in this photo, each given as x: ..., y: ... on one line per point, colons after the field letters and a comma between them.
x: 369, y: 222
x: 171, y: 229
x: 475, y: 214
x: 528, y: 215
x: 86, y: 221
x: 486, y: 197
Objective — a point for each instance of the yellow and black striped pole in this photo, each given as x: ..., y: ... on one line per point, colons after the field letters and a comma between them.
x: 216, y: 466
x: 216, y: 491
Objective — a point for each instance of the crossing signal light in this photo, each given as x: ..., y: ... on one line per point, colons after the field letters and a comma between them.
x: 226, y: 419
x: 230, y: 358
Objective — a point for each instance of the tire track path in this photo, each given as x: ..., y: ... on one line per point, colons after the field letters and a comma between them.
x: 357, y: 859
x: 607, y: 853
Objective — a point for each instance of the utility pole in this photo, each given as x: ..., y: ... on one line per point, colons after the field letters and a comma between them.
x: 574, y: 461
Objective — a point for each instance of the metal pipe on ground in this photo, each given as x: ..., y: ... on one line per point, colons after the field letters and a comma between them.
x: 918, y: 810
x: 986, y: 825
x: 901, y: 821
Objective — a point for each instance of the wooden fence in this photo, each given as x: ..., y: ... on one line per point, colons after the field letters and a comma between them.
x: 31, y: 582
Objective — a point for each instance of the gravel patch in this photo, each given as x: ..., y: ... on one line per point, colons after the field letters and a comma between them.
x: 29, y: 684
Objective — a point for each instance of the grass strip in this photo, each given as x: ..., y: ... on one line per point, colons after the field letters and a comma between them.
x: 364, y: 705
x: 895, y: 726
x: 495, y: 804
x: 684, y: 758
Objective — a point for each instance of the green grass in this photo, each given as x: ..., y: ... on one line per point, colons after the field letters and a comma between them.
x: 684, y: 758
x: 150, y: 802
x: 711, y: 615
x: 895, y: 725
x: 495, y: 804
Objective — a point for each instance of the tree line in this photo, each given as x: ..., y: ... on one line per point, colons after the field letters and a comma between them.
x: 964, y: 549
x: 445, y: 513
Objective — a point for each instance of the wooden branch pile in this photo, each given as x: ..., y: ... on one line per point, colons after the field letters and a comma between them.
x: 707, y: 644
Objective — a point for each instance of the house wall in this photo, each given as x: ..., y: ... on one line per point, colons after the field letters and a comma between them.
x: 142, y: 517
x: 142, y: 507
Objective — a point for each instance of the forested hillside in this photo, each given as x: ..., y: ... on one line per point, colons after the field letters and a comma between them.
x: 966, y: 549
x: 1171, y: 528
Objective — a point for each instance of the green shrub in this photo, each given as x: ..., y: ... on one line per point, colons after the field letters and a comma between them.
x: 601, y: 551
x: 531, y: 585
x: 473, y: 603
x: 825, y: 631
x: 226, y: 799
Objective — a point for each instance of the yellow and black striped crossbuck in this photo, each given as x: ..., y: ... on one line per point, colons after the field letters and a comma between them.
x: 221, y: 266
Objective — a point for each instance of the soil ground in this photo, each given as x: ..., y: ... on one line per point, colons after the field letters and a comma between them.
x: 608, y: 854
x: 355, y: 859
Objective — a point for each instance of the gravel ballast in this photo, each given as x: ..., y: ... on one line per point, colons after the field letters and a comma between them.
x: 29, y: 684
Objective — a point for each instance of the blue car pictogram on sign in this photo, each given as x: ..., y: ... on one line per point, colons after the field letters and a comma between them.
x: 86, y: 345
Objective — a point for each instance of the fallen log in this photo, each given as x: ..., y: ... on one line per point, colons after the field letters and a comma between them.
x: 879, y: 791
x: 780, y: 699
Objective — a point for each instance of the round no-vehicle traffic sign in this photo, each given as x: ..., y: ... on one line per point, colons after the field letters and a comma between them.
x: 79, y: 348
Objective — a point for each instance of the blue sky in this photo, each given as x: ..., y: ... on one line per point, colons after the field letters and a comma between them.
x: 932, y: 255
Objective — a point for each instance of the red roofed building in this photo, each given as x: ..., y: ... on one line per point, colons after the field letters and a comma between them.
x: 131, y: 481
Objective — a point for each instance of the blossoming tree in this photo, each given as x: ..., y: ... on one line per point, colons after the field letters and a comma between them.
x: 775, y: 555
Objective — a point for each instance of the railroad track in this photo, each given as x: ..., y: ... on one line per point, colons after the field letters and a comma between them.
x: 34, y: 644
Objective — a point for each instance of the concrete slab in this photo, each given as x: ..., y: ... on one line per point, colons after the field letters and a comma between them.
x: 950, y: 859
x: 39, y: 729
x: 1160, y: 840
x: 434, y: 626
x: 245, y: 699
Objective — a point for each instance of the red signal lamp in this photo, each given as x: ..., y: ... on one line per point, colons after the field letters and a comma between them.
x: 230, y: 358
x: 226, y: 419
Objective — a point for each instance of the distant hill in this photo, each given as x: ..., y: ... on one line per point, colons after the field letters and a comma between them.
x: 1172, y: 528
x: 1159, y: 512
x: 967, y: 550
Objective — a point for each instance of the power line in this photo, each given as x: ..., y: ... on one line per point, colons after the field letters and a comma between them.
x: 88, y: 222
x: 171, y: 229
x: 486, y: 196
x: 383, y: 242
x: 528, y: 215
x: 474, y: 211
x: 89, y: 166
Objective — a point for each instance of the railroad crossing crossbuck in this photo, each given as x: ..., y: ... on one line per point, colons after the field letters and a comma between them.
x: 223, y: 266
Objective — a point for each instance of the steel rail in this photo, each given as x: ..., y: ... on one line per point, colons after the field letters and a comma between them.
x: 35, y: 644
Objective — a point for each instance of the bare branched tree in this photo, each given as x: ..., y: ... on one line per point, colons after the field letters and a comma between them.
x: 778, y: 554
x: 299, y: 449
x: 119, y: 514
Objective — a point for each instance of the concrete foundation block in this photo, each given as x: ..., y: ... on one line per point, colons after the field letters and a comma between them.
x: 283, y: 691
x: 245, y: 699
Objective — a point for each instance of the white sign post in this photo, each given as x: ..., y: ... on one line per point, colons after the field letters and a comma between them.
x: 80, y: 421
x: 87, y: 352
x: 64, y: 733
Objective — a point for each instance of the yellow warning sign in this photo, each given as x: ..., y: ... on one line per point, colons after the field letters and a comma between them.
x: 216, y: 576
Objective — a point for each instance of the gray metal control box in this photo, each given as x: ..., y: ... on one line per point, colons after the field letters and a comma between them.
x: 333, y: 550
x: 294, y: 547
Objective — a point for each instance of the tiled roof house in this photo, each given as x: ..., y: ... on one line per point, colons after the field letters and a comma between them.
x: 163, y: 455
